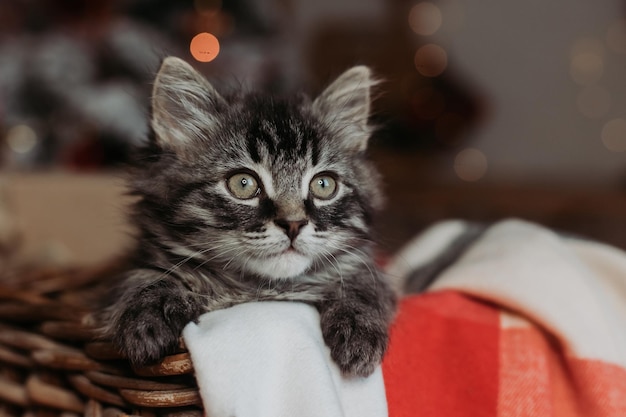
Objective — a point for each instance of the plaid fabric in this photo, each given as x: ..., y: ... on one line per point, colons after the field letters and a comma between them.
x: 525, y: 323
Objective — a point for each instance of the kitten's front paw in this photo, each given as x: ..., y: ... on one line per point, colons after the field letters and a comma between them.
x: 146, y: 332
x: 357, y: 341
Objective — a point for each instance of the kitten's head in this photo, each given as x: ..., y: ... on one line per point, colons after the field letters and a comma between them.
x: 256, y: 184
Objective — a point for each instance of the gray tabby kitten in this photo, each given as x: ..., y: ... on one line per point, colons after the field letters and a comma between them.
x: 254, y: 198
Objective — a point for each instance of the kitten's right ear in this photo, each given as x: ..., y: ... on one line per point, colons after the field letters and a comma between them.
x: 345, y: 106
x: 184, y: 105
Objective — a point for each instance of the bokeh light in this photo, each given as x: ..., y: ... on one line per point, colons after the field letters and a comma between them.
x: 204, y: 47
x: 594, y: 101
x: 431, y: 60
x: 425, y: 18
x: 616, y: 36
x: 21, y: 139
x: 470, y: 165
x: 586, y: 68
x: 614, y: 135
x: 587, y: 61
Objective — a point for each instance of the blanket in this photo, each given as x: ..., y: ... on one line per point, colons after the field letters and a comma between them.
x: 511, y: 320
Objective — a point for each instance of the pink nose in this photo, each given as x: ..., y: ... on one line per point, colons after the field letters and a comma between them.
x: 291, y: 227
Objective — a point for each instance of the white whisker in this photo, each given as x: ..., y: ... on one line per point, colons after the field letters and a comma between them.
x: 356, y: 256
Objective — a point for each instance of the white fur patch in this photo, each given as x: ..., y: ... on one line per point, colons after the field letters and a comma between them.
x: 285, y: 265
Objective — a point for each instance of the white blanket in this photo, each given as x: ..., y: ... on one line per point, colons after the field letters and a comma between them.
x: 268, y: 359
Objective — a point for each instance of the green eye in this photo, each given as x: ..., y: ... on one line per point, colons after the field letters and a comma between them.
x: 243, y: 185
x: 323, y: 186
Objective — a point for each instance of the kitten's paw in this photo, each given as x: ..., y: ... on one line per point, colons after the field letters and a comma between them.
x: 144, y: 337
x: 146, y: 332
x: 357, y: 341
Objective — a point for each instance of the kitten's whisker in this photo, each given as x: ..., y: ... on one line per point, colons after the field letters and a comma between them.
x: 219, y: 254
x: 356, y: 256
x: 210, y: 243
x: 178, y: 265
x: 335, y: 265
x: 227, y: 264
x: 173, y: 268
x: 324, y: 252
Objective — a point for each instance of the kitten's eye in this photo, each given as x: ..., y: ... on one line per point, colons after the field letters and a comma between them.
x: 323, y: 186
x: 243, y: 186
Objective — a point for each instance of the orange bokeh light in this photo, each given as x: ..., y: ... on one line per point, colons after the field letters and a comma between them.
x: 470, y: 165
x: 431, y: 60
x: 425, y: 18
x: 204, y: 47
x: 614, y: 135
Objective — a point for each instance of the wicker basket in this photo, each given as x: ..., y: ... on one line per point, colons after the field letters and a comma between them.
x: 51, y: 364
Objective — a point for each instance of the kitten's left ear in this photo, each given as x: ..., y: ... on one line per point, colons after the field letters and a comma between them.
x: 184, y: 106
x: 345, y: 106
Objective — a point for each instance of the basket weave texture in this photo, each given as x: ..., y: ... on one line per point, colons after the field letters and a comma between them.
x: 52, y: 364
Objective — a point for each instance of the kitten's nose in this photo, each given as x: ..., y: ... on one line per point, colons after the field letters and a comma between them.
x: 291, y: 227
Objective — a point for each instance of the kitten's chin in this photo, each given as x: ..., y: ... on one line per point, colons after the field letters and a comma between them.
x: 286, y: 265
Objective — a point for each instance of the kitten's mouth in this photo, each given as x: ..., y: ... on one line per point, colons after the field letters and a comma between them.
x: 290, y: 251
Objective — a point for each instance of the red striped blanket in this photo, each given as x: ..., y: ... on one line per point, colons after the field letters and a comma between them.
x: 523, y: 323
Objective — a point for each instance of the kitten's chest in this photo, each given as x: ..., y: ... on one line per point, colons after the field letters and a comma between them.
x: 308, y: 289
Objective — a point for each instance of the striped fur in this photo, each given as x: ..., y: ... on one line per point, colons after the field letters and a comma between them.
x: 200, y: 248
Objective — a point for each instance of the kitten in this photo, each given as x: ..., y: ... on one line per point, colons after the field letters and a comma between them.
x: 254, y: 198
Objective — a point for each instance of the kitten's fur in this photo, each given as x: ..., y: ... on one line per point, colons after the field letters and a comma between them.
x: 200, y: 248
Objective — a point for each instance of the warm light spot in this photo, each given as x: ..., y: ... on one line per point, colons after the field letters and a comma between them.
x: 616, y: 36
x: 614, y: 135
x: 586, y: 69
x: 431, y: 60
x: 21, y: 139
x: 594, y: 102
x: 587, y: 61
x: 207, y: 6
x: 470, y: 164
x: 204, y: 47
x: 425, y: 18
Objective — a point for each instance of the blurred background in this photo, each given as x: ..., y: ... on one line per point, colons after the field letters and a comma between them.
x: 488, y: 109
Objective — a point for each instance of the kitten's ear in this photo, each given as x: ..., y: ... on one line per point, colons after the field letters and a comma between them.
x: 345, y: 106
x: 184, y: 105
